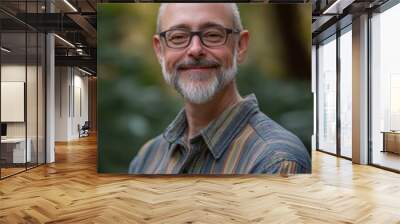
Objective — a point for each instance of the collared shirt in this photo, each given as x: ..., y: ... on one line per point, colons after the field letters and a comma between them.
x: 242, y: 140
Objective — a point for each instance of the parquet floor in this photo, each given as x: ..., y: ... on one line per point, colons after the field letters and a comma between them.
x: 388, y: 159
x: 9, y: 171
x: 70, y: 191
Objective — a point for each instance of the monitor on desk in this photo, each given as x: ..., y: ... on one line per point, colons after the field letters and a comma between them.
x: 3, y: 130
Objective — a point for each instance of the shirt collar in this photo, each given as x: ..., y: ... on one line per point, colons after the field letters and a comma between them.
x: 221, y: 131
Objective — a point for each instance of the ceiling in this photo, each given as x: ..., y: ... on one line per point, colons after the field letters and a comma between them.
x: 332, y: 15
x: 75, y: 21
x: 72, y: 20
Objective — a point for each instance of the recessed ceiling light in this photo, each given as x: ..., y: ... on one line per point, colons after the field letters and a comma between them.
x: 71, y: 6
x: 337, y: 7
x: 5, y: 49
x: 64, y: 40
x: 84, y: 71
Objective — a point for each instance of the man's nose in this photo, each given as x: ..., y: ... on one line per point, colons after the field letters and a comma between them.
x: 196, y: 48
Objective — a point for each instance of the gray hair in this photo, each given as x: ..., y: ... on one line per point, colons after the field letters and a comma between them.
x: 237, y: 23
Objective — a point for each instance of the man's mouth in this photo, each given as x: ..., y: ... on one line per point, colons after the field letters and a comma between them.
x: 197, y: 68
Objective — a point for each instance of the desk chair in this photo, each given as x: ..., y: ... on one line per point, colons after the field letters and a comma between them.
x: 84, y: 130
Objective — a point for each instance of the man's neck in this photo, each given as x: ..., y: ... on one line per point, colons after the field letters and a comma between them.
x: 200, y: 115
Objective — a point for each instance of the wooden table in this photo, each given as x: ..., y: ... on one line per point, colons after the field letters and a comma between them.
x: 13, y: 150
x: 391, y: 141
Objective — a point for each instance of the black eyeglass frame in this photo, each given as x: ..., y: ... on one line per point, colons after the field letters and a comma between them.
x: 198, y: 33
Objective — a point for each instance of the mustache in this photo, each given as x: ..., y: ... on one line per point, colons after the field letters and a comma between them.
x: 189, y: 63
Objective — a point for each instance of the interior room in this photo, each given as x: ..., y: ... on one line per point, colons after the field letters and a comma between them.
x: 49, y: 127
x: 22, y: 100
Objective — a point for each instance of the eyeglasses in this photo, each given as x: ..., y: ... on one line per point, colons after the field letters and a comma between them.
x: 180, y: 38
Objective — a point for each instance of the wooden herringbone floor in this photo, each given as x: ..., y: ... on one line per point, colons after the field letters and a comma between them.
x: 70, y: 191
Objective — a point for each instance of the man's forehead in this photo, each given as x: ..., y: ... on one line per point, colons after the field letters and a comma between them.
x: 196, y: 15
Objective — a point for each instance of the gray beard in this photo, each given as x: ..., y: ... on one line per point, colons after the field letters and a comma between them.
x: 191, y: 90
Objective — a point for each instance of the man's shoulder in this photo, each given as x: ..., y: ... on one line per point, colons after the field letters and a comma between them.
x: 147, y: 152
x: 153, y: 143
x: 267, y: 129
x: 278, y: 143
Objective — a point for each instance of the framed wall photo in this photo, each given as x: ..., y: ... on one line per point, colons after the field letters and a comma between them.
x: 12, y: 101
x: 210, y: 88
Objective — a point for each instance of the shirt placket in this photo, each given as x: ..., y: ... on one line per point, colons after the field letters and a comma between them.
x: 189, y: 154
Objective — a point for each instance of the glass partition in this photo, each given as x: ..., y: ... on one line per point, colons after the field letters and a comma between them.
x: 22, y: 88
x: 14, y: 152
x: 31, y: 100
x: 327, y: 95
x: 41, y: 85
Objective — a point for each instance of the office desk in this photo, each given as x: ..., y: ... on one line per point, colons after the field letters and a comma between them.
x: 391, y: 141
x: 13, y: 150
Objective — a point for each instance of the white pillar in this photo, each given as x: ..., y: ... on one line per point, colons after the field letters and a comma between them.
x: 50, y: 93
x: 50, y: 99
x: 360, y: 90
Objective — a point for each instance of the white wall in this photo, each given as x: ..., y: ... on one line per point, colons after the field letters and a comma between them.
x: 71, y: 93
x: 13, y: 72
x: 16, y: 73
x: 62, y: 81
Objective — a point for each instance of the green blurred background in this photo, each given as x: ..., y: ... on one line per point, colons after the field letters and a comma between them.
x: 135, y: 104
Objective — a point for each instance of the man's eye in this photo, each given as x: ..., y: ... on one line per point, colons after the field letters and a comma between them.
x: 178, y: 38
x: 213, y: 36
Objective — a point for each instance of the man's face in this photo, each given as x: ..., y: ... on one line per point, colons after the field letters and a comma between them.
x: 198, y: 72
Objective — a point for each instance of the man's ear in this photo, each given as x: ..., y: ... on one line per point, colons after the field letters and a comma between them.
x: 243, y: 45
x: 157, y: 47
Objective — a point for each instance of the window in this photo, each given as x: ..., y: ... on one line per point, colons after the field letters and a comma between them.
x: 327, y: 95
x: 346, y: 92
x: 385, y: 88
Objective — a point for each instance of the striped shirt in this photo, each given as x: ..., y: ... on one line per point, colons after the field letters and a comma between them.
x: 242, y: 140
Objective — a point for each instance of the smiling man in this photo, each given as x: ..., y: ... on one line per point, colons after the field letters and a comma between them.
x: 217, y: 132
